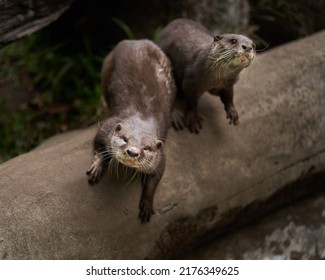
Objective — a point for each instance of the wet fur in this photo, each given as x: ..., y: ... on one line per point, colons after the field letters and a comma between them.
x: 139, y: 90
x: 201, y: 62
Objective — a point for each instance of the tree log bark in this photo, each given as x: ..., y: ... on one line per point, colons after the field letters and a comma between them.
x: 214, y: 181
x: 20, y: 18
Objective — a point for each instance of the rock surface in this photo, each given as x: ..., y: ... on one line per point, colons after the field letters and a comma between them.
x: 214, y: 181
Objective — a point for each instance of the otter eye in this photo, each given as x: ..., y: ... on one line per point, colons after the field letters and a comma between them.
x: 118, y: 127
x: 159, y: 144
x: 124, y: 139
x: 233, y: 41
x: 147, y: 148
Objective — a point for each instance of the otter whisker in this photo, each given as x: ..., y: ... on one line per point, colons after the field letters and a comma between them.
x: 145, y: 165
x: 266, y: 47
x: 116, y: 167
x: 104, y: 150
x: 218, y: 61
x: 133, y: 178
x: 111, y: 166
x: 148, y: 165
x: 101, y: 149
x: 167, y: 140
x: 102, y: 129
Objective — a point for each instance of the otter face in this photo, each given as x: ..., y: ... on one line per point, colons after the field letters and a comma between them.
x: 135, y: 149
x: 238, y: 50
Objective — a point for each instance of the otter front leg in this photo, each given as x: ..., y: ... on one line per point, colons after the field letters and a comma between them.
x: 100, y: 159
x: 178, y: 115
x: 227, y: 98
x: 193, y: 119
x: 149, y: 186
x: 95, y: 172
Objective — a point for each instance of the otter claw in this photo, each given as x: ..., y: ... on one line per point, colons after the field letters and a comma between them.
x: 94, y: 174
x: 232, y: 115
x: 194, y: 122
x: 95, y: 171
x: 178, y: 121
x: 145, y: 211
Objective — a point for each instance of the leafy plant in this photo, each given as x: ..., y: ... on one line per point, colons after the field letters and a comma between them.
x: 282, y: 11
x: 66, y: 91
x: 126, y: 29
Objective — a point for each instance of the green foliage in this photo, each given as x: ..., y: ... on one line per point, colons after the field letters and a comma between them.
x: 130, y: 34
x: 270, y: 10
x: 156, y: 34
x: 15, y: 133
x: 126, y: 29
x: 280, y: 8
x: 65, y: 86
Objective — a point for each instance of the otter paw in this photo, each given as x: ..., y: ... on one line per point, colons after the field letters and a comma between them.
x: 95, y: 171
x: 194, y: 122
x: 146, y: 210
x: 232, y: 115
x: 178, y: 120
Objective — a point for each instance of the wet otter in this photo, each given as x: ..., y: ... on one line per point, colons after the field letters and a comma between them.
x: 139, y: 90
x: 203, y: 62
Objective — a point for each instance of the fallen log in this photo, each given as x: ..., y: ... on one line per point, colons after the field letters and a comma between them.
x: 20, y: 18
x: 214, y: 181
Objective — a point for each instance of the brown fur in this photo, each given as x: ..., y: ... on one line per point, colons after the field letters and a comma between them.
x: 139, y: 90
x: 203, y: 62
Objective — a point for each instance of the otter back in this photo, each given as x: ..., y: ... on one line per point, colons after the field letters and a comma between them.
x: 139, y: 90
x: 203, y: 62
x: 136, y: 78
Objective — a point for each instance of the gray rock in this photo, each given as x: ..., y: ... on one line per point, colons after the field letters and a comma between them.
x: 214, y: 181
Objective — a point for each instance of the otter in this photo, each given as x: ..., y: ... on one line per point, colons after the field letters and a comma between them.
x: 139, y: 91
x: 203, y: 62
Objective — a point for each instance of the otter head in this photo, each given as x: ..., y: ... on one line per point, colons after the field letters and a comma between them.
x: 233, y: 50
x: 136, y: 147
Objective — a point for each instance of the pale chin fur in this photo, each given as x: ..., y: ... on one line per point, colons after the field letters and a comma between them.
x: 242, y: 59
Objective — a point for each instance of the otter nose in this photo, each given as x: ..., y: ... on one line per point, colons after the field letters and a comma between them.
x: 132, y: 153
x: 247, y: 48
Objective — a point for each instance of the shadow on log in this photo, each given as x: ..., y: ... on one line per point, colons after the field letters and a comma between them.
x: 214, y: 181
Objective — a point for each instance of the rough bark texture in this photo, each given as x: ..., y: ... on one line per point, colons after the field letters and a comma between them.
x: 20, y: 18
x: 214, y: 181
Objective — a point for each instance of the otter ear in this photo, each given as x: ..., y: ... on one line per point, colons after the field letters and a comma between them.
x: 159, y: 144
x: 217, y: 38
x: 118, y: 127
